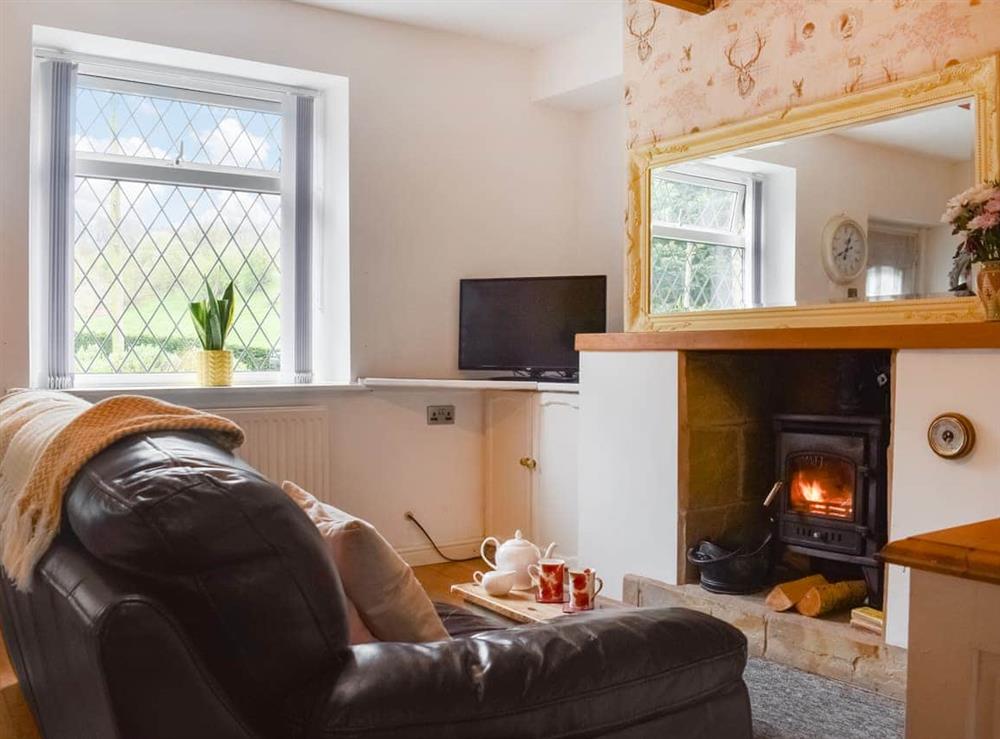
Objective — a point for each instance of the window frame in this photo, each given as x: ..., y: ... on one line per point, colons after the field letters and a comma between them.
x: 216, y: 90
x: 748, y: 191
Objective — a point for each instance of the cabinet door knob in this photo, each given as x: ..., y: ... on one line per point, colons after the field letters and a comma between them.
x: 528, y: 462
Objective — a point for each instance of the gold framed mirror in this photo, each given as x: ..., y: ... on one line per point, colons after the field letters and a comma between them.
x: 850, y: 264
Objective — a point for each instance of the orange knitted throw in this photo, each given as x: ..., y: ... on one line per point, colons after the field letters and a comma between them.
x: 46, y: 437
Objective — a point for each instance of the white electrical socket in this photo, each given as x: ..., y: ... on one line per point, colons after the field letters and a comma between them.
x: 439, y: 415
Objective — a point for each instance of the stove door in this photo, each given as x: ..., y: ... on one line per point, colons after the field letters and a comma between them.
x: 822, y: 504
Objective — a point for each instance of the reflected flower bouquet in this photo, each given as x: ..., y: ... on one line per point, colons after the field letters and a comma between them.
x: 976, y: 213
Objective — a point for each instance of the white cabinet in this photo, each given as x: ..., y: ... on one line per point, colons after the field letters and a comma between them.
x: 530, y: 471
x: 553, y: 495
x: 508, y: 438
x: 953, y: 664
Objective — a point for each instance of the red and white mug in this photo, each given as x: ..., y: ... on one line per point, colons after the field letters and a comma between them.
x: 550, y: 576
x: 584, y: 586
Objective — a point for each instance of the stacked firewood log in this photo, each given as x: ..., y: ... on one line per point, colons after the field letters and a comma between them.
x: 815, y: 595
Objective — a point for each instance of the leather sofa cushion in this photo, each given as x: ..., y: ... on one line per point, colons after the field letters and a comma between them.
x: 460, y: 621
x: 236, y: 562
x: 595, y: 674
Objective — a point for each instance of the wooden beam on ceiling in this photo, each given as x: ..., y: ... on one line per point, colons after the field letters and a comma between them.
x: 691, y: 6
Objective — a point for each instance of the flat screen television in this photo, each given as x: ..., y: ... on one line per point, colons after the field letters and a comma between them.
x: 528, y: 324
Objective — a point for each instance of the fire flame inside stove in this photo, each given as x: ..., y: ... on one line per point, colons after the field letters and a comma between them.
x: 812, y: 491
x: 823, y: 492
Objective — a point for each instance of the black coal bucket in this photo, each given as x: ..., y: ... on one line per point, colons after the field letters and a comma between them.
x: 734, y: 572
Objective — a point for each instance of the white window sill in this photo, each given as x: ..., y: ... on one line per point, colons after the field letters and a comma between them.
x: 248, y: 394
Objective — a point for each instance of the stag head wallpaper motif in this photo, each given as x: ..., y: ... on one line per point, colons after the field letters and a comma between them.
x: 685, y: 72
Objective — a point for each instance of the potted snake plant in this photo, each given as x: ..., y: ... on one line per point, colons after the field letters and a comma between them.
x: 212, y: 320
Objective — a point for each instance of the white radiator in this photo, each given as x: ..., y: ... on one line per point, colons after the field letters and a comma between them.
x: 288, y: 443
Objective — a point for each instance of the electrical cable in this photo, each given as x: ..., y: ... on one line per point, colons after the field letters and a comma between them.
x: 437, y: 549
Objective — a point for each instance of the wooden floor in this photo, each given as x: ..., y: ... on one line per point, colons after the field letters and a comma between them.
x: 437, y: 579
x: 16, y: 721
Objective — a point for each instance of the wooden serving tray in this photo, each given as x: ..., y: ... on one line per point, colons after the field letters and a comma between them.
x: 517, y: 605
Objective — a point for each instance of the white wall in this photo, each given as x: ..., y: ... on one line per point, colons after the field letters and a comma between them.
x: 600, y: 207
x: 779, y: 215
x: 454, y: 173
x: 386, y: 460
x: 937, y: 258
x: 940, y: 244
x: 837, y: 175
x: 628, y: 466
x: 585, y: 68
x: 930, y: 493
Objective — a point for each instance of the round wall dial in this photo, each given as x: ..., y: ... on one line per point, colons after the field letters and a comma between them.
x: 844, y: 250
x: 951, y: 435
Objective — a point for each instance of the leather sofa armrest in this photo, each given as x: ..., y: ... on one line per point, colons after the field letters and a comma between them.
x: 158, y: 685
x: 149, y: 679
x: 600, y: 672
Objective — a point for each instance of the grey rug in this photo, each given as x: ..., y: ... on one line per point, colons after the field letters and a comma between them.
x: 791, y: 704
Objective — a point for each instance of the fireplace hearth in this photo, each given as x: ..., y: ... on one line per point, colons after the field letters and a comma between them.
x: 834, y: 496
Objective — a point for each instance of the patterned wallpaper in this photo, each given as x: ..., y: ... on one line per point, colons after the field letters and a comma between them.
x: 749, y: 57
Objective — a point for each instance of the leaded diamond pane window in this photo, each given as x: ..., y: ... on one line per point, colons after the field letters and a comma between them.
x: 695, y: 276
x: 690, y: 205
x: 151, y: 125
x: 700, y: 250
x: 142, y: 253
x: 174, y: 189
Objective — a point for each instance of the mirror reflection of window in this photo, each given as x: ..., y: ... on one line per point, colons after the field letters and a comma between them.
x: 740, y: 228
x: 702, y: 250
x: 893, y: 261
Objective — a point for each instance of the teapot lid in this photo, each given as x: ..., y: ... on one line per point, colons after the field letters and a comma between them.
x: 518, y: 541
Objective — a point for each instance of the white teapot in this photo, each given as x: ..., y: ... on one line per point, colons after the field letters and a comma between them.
x: 515, y: 554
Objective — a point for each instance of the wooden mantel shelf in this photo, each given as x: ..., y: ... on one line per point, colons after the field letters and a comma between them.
x: 981, y: 335
x: 971, y: 552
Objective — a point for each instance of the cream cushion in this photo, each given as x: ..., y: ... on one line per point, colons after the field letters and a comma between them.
x: 376, y: 580
x: 357, y: 632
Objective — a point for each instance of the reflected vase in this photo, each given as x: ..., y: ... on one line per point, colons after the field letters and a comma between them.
x: 988, y: 289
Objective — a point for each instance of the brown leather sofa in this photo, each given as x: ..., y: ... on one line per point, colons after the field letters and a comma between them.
x: 187, y: 597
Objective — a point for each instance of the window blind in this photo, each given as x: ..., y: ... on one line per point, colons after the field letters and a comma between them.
x: 303, y: 238
x: 60, y: 79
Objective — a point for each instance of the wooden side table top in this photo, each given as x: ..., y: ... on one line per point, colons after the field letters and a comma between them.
x: 971, y: 551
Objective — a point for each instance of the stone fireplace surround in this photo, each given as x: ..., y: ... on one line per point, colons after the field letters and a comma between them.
x: 728, y: 403
x: 638, y: 505
x: 727, y: 463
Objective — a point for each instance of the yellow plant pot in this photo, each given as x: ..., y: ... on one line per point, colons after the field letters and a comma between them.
x: 988, y: 283
x: 215, y: 368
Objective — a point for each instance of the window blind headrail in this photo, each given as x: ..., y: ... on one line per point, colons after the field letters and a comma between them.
x: 175, y: 76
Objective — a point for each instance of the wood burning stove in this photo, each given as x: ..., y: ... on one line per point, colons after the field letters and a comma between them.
x: 833, y: 502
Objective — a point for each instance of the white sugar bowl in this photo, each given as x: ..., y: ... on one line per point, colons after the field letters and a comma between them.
x: 515, y: 555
